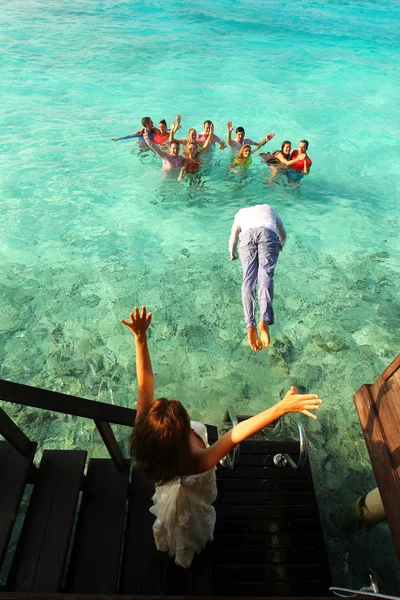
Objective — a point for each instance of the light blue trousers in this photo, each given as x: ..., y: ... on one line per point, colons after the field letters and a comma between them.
x: 258, y: 251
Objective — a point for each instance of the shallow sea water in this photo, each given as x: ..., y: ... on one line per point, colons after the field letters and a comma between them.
x: 89, y: 228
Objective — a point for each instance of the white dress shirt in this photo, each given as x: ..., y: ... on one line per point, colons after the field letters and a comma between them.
x: 261, y: 215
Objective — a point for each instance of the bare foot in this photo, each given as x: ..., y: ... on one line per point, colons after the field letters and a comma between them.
x: 264, y: 333
x: 254, y: 340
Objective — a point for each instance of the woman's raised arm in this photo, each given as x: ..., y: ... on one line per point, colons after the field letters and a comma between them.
x: 292, y: 402
x: 138, y: 324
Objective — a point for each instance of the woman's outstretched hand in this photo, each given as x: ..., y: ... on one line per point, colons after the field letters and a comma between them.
x: 139, y: 322
x: 301, y: 403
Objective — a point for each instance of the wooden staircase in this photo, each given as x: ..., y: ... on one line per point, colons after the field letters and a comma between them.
x: 88, y: 529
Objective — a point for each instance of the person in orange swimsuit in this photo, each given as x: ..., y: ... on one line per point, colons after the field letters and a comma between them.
x: 162, y: 134
x: 192, y: 154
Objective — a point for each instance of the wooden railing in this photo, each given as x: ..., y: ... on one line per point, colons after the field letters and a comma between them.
x: 378, y: 408
x: 101, y: 413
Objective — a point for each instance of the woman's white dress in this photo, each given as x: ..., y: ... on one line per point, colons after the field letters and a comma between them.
x: 185, y: 519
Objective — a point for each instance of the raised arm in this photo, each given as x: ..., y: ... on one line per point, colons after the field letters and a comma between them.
x: 208, y: 141
x: 267, y: 138
x: 229, y: 127
x: 154, y: 147
x: 204, y: 460
x: 138, y: 324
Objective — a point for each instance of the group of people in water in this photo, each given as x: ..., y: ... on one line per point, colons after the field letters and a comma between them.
x: 167, y: 447
x: 163, y: 141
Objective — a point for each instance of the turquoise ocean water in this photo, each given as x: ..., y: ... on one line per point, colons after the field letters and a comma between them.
x: 89, y: 228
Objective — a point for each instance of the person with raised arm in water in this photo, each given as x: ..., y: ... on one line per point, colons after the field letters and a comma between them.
x: 262, y: 236
x: 243, y: 159
x: 170, y: 160
x: 148, y: 127
x: 173, y: 452
x: 240, y: 137
x: 201, y: 137
x: 192, y: 154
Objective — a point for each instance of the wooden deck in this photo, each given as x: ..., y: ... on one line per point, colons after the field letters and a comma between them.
x: 88, y: 529
x: 378, y: 407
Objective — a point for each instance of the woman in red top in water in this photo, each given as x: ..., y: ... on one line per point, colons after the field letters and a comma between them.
x: 300, y: 163
x: 192, y: 154
x: 162, y: 134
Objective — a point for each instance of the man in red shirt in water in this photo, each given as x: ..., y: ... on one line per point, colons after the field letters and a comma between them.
x: 302, y: 166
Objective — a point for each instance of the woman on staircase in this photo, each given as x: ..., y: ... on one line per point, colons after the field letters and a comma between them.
x: 173, y: 452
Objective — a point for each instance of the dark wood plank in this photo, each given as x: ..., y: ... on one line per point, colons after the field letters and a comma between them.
x: 95, y: 558
x: 144, y: 568
x: 15, y: 436
x: 266, y: 497
x: 384, y: 455
x: 110, y: 442
x: 267, y: 556
x: 29, y: 596
x: 267, y: 447
x: 28, y: 395
x: 262, y: 485
x: 271, y: 588
x: 257, y: 472
x: 43, y: 544
x: 391, y: 368
x: 201, y: 572
x: 264, y: 511
x: 268, y: 526
x: 14, y: 472
x: 259, y: 541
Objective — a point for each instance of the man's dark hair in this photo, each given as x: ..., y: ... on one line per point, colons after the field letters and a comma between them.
x: 145, y: 121
x: 304, y: 142
x: 239, y: 129
x: 164, y: 122
x: 209, y: 122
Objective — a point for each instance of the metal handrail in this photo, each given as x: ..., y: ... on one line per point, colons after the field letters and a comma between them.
x: 281, y: 460
x: 369, y: 592
x: 231, y: 460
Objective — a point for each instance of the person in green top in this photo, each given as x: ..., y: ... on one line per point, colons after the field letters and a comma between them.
x: 243, y: 159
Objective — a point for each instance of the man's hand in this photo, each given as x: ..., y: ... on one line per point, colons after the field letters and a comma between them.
x: 139, y: 323
x: 222, y: 146
x: 229, y: 126
x: 269, y: 136
x: 233, y: 257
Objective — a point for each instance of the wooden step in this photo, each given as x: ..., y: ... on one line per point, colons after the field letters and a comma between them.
x: 43, y: 544
x: 286, y: 556
x: 14, y: 473
x: 265, y: 497
x: 96, y: 553
x: 270, y: 588
x: 269, y: 526
x: 257, y: 485
x: 144, y: 568
x: 264, y: 541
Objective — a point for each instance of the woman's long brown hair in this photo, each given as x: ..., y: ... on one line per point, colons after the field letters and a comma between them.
x: 160, y: 442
